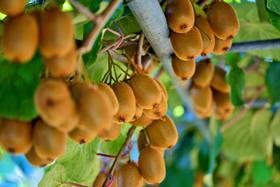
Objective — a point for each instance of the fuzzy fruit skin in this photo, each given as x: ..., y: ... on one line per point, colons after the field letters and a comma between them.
x: 223, y: 20
x: 222, y: 46
x: 146, y: 90
x: 100, y: 179
x: 223, y: 105
x: 183, y: 69
x: 202, y: 98
x: 62, y: 66
x: 159, y: 110
x: 187, y: 46
x: 127, y: 102
x: 106, y: 89
x: 151, y: 165
x: 219, y: 81
x: 12, y: 7
x: 138, y: 113
x: 129, y: 175
x: 20, y: 38
x: 35, y: 160
x: 144, y: 120
x: 82, y: 135
x: 204, y: 73
x: 56, y: 33
x: 207, y: 34
x: 48, y: 142
x: 205, y: 113
x: 162, y: 133
x: 53, y: 102
x: 142, y: 141
x: 70, y: 124
x: 16, y: 136
x: 110, y: 134
x: 180, y: 15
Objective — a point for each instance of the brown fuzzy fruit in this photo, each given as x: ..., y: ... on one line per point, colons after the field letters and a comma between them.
x: 205, y: 113
x: 62, y: 66
x: 222, y: 101
x: 12, y: 7
x: 34, y: 159
x: 16, y: 136
x: 142, y: 121
x: 222, y: 46
x: 20, y: 38
x: 70, y: 124
x: 204, y: 73
x: 108, y: 91
x: 129, y: 175
x: 127, y: 102
x: 180, y: 15
x: 82, y: 135
x: 162, y: 133
x: 146, y: 90
x: 49, y: 143
x: 138, y: 113
x: 223, y: 20
x: 151, y: 165
x: 142, y: 141
x: 187, y: 46
x: 159, y: 110
x: 183, y: 69
x: 202, y: 98
x: 56, y: 33
x: 54, y: 103
x: 207, y: 34
x: 110, y: 134
x: 219, y: 81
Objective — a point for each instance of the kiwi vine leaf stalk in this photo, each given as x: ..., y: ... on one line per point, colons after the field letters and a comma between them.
x: 80, y: 87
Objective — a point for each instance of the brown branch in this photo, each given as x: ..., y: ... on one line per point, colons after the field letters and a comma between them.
x: 105, y: 155
x: 244, y: 111
x: 159, y: 73
x: 113, y: 167
x: 98, y: 20
x: 138, y: 59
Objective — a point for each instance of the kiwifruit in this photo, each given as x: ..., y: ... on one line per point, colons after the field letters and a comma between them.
x: 142, y: 121
x: 111, y: 95
x: 138, y: 113
x: 183, y: 69
x: 205, y: 113
x: 223, y: 20
x: 78, y: 88
x: 20, y: 38
x: 99, y: 180
x: 142, y: 141
x: 48, y: 142
x: 207, y: 34
x: 62, y: 66
x: 129, y: 175
x: 53, y: 102
x: 202, y: 98
x: 56, y: 33
x: 82, y: 135
x: 180, y: 15
x: 110, y: 134
x: 222, y: 46
x: 162, y: 88
x: 162, y: 133
x: 187, y: 46
x: 12, y: 7
x: 146, y: 90
x: 222, y: 100
x: 223, y: 114
x: 159, y: 110
x: 70, y: 124
x: 16, y: 136
x: 151, y: 165
x: 204, y: 73
x: 34, y: 159
x: 219, y: 80
x: 126, y: 100
x: 95, y: 109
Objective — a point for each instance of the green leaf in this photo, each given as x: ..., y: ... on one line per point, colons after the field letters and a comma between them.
x: 275, y: 19
x: 272, y: 81
x: 275, y: 128
x: 260, y: 131
x: 79, y: 164
x: 274, y: 6
x: 261, y: 173
x: 18, y: 83
x: 236, y: 80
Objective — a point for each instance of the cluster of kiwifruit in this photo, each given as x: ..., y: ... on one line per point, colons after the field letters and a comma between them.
x: 193, y: 35
x: 210, y: 92
x: 51, y: 31
x: 157, y: 136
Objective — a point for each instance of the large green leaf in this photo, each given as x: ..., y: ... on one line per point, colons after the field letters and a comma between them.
x: 275, y: 19
x: 274, y: 6
x: 272, y: 81
x: 261, y: 173
x: 275, y: 128
x: 236, y: 80
x: 17, y: 87
x: 79, y: 164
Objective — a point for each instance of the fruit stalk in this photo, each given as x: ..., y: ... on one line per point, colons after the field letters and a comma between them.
x: 112, y: 169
